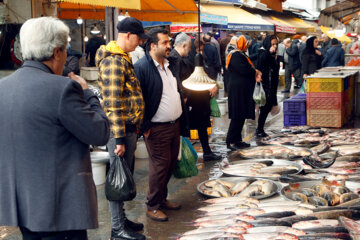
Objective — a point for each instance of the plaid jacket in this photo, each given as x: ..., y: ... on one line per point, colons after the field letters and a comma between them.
x: 120, y: 89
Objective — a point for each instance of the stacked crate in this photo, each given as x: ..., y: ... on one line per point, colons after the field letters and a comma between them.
x: 329, y: 99
x: 295, y: 111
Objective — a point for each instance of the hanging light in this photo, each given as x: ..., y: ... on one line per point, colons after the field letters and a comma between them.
x: 69, y: 39
x: 79, y: 19
x: 121, y: 16
x: 86, y: 38
x: 127, y: 14
x: 104, y: 37
x: 199, y: 80
x: 95, y: 31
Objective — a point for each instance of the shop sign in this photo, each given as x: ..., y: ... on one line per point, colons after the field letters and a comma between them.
x: 250, y: 27
x: 184, y: 28
x: 285, y: 29
x: 228, y: 1
x: 215, y: 19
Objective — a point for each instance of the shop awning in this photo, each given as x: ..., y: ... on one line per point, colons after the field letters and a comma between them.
x: 281, y: 27
x: 331, y: 34
x: 300, y: 25
x: 150, y: 10
x: 133, y: 4
x: 238, y: 19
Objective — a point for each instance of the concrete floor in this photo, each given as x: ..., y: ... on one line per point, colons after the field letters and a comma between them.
x: 182, y: 191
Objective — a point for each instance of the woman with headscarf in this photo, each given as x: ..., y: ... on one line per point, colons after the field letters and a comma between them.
x: 311, y: 58
x: 269, y: 67
x: 242, y: 77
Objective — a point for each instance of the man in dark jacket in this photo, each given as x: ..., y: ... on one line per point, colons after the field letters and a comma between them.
x: 294, y: 64
x: 325, y: 45
x: 47, y: 123
x: 211, y: 57
x: 164, y: 119
x: 92, y: 46
x: 335, y: 56
x: 180, y: 52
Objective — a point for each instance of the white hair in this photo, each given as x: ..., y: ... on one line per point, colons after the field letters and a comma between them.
x: 40, y: 36
x: 181, y: 38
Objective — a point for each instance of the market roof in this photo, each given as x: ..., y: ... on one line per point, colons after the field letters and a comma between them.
x: 342, y: 8
x: 238, y: 19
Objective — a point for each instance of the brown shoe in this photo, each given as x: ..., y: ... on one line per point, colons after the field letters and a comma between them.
x: 157, y: 215
x: 171, y: 206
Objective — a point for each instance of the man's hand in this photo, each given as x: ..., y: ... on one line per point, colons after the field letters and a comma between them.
x: 147, y: 133
x: 305, y: 75
x: 120, y: 150
x: 213, y: 91
x: 79, y: 79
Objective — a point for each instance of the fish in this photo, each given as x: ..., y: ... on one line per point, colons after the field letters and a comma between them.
x: 204, y: 236
x: 239, y: 187
x: 212, y: 193
x: 222, y: 190
x: 210, y: 184
x: 332, y: 198
x: 303, y: 225
x: 267, y: 187
x: 277, y: 229
x: 342, y: 164
x: 326, y: 229
x: 321, y: 148
x: 245, y: 218
x: 329, y: 236
x: 226, y: 184
x: 348, y: 197
x: 296, y: 196
x: 308, y: 192
x: 348, y: 159
x: 279, y: 170
x: 345, y: 150
x: 316, y: 162
x: 269, y: 236
x: 335, y: 214
x: 318, y: 201
x: 238, y: 230
x: 354, y: 202
x: 252, y: 190
x: 276, y: 214
x: 297, y: 218
x: 223, y: 222
x: 352, y: 226
x: 231, y: 199
x: 340, y: 189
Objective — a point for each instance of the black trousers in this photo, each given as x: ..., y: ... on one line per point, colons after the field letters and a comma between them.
x: 204, y: 139
x: 264, y: 112
x: 63, y: 235
x: 234, y: 131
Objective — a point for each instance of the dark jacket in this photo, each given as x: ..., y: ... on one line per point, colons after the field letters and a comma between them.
x: 335, y: 56
x: 302, y: 47
x: 269, y: 68
x: 72, y: 62
x: 223, y: 44
x: 254, y: 51
x: 293, y: 54
x: 184, y: 65
x: 47, y: 123
x: 310, y: 60
x: 325, y: 46
x: 152, y: 87
x: 91, y: 47
x: 241, y: 87
x: 212, y: 63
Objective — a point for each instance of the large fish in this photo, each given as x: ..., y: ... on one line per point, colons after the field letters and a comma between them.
x: 352, y: 226
x: 269, y: 236
x: 238, y: 230
x: 325, y: 236
x: 277, y: 229
x: 303, y: 225
x: 231, y: 199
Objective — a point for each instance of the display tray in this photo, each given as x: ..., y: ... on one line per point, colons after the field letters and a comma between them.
x: 296, y: 168
x: 274, y: 186
x: 287, y: 190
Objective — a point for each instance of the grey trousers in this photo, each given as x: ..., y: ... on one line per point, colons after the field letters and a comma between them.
x: 297, y: 76
x: 117, y: 207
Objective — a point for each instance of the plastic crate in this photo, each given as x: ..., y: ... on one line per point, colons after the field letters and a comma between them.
x: 332, y: 100
x: 294, y: 106
x: 326, y: 118
x: 299, y: 96
x: 325, y: 84
x: 194, y: 135
x: 294, y: 120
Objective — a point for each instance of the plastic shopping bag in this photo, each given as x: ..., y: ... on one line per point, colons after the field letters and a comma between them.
x: 259, y: 95
x: 119, y: 184
x: 186, y: 166
x: 214, y: 106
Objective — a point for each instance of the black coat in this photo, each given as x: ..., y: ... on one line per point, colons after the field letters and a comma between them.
x: 293, y: 53
x: 212, y: 61
x: 241, y: 87
x: 269, y: 68
x: 310, y: 60
x: 91, y: 47
x: 152, y: 88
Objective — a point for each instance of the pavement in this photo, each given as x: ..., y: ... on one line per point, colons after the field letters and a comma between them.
x: 182, y: 191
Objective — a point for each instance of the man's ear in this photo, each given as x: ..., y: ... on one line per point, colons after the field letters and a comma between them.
x: 57, y: 52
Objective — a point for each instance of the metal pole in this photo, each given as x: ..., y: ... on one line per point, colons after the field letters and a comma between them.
x: 199, y: 24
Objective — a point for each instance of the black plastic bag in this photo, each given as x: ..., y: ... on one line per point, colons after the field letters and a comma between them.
x: 119, y: 184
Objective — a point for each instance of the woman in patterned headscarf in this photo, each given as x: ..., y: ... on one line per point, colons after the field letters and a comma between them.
x: 242, y: 77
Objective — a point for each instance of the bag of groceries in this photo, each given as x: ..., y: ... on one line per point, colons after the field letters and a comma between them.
x: 214, y: 107
x: 259, y: 95
x: 186, y: 166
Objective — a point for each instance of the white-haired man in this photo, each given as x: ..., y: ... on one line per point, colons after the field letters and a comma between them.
x: 47, y: 123
x: 180, y: 52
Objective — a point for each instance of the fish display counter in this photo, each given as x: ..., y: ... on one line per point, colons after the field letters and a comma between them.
x: 311, y: 193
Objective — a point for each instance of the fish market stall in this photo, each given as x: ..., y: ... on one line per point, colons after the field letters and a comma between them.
x: 298, y: 183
